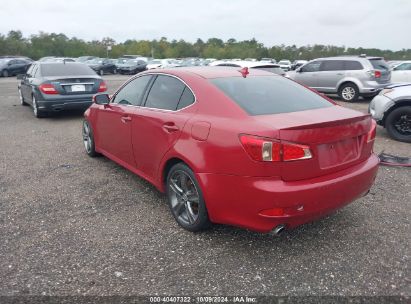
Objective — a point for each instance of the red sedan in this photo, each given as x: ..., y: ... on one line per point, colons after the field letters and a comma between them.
x: 238, y: 147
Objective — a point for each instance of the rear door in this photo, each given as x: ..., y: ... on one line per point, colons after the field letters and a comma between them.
x: 158, y: 124
x: 308, y: 74
x: 114, y: 121
x: 331, y: 72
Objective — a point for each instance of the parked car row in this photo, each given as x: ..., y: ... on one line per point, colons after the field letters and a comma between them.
x: 11, y: 66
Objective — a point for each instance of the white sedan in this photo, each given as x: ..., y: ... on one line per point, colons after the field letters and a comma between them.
x: 402, y: 72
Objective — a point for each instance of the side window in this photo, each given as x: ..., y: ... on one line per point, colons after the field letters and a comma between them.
x: 132, y: 92
x: 36, y: 70
x: 403, y: 67
x: 351, y: 65
x: 332, y: 65
x: 165, y: 93
x: 311, y: 67
x: 187, y: 98
x: 12, y: 62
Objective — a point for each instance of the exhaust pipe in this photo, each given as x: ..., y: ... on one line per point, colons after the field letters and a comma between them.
x: 278, y: 230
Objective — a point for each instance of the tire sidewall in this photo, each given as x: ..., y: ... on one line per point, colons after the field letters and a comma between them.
x: 202, y: 221
x: 391, y: 119
x: 92, y: 152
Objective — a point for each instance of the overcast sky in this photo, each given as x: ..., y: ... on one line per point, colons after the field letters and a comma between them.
x: 384, y: 24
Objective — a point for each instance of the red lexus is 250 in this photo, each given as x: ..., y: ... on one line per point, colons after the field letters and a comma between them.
x: 244, y: 148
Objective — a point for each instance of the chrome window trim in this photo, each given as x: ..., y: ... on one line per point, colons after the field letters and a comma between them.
x: 156, y: 109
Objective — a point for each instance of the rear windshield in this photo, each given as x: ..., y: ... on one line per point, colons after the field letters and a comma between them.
x: 67, y: 69
x: 260, y: 95
x: 379, y: 64
x: 271, y: 69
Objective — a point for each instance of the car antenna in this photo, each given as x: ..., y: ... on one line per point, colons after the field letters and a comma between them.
x: 244, y: 71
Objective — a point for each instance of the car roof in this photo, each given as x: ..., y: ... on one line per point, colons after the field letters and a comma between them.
x: 58, y: 63
x: 349, y: 58
x: 210, y: 72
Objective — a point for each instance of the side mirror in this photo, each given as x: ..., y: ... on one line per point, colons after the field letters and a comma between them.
x: 101, y: 99
x: 21, y: 76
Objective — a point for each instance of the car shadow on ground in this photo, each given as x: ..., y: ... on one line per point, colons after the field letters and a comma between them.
x: 65, y: 115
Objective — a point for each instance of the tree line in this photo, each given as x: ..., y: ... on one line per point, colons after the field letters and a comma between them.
x: 53, y: 44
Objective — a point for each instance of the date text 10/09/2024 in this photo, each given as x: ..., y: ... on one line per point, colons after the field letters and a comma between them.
x: 175, y: 299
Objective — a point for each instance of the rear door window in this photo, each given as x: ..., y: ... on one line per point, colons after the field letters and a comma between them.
x: 260, y: 95
x: 332, y: 65
x: 165, y: 93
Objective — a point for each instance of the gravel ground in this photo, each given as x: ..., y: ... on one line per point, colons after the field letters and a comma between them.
x: 73, y: 225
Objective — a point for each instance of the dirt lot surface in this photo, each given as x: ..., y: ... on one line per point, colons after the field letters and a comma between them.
x: 73, y: 225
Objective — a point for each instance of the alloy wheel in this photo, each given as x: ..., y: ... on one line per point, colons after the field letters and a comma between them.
x: 35, y: 110
x: 403, y: 124
x: 87, y: 140
x: 348, y: 93
x: 184, y: 198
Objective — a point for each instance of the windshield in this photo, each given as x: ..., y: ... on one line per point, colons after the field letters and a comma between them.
x: 96, y: 60
x: 67, y: 69
x: 261, y: 95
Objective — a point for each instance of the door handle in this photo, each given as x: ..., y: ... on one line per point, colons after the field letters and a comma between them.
x: 125, y: 119
x: 170, y: 127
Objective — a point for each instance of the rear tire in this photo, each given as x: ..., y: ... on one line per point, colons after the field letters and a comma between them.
x: 398, y: 124
x: 37, y: 113
x: 185, y: 199
x: 349, y: 92
x: 22, y: 102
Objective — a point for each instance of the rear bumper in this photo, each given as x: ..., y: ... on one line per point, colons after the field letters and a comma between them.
x: 238, y: 200
x: 64, y: 104
x: 371, y: 88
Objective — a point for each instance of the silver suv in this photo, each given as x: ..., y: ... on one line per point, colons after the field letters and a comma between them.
x: 349, y: 77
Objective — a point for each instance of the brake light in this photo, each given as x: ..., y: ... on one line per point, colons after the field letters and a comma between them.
x: 377, y: 74
x: 372, y: 133
x: 48, y: 88
x: 102, y: 87
x: 263, y: 149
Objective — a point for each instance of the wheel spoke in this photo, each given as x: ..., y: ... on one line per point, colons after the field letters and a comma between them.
x: 190, y: 214
x: 178, y: 208
x: 175, y: 188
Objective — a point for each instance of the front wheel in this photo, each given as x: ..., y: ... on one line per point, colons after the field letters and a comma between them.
x: 185, y: 199
x: 5, y: 73
x: 349, y: 92
x: 101, y: 72
x: 88, y: 139
x: 398, y: 124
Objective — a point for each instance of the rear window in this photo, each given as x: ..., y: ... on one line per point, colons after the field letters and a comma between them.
x: 379, y: 64
x: 271, y: 69
x: 67, y: 69
x: 260, y: 95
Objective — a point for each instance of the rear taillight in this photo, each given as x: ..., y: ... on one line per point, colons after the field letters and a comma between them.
x: 373, y: 132
x: 377, y: 74
x: 102, y: 87
x: 263, y: 149
x: 48, y: 88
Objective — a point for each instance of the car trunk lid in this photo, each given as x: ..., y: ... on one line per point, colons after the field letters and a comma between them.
x: 336, y: 137
x: 75, y: 85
